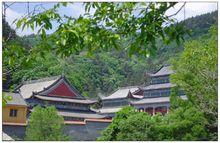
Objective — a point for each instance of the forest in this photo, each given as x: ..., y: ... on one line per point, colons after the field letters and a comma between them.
x: 103, y: 71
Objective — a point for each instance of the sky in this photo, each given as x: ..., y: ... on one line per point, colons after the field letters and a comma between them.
x: 19, y: 9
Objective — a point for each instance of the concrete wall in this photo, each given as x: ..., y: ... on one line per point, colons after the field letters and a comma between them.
x: 88, y: 132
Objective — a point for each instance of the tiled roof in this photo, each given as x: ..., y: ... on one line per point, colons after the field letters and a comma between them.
x: 159, y: 86
x: 16, y: 99
x: 121, y: 92
x: 59, y: 81
x: 80, y: 115
x: 28, y: 87
x: 83, y: 101
x: 165, y: 70
x: 109, y: 110
x: 44, y: 86
x: 154, y: 100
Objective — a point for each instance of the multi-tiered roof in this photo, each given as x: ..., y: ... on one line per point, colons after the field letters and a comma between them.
x: 164, y: 70
x: 123, y: 95
x: 52, y: 89
x: 160, y: 81
x: 59, y: 92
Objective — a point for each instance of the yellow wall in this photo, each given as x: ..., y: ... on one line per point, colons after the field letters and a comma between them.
x: 21, y: 114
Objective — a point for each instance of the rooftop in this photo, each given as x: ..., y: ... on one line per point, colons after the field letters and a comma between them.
x: 158, y: 86
x: 109, y: 110
x: 83, y: 101
x: 155, y: 100
x: 164, y: 70
x: 121, y: 92
x: 28, y: 87
x: 16, y: 99
x: 47, y: 85
x: 80, y: 115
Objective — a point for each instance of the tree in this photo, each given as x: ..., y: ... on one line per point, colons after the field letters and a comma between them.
x: 5, y: 98
x: 183, y: 123
x: 197, y: 74
x: 136, y: 127
x: 103, y: 72
x: 128, y: 125
x: 8, y: 37
x: 140, y: 24
x: 45, y: 125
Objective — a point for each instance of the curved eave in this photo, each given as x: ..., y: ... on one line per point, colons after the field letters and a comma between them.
x: 80, y: 101
x: 155, y: 100
x: 159, y: 86
x: 150, y: 102
x: 109, y: 110
x: 80, y: 115
x: 154, y: 75
x: 127, y: 97
x: 18, y: 105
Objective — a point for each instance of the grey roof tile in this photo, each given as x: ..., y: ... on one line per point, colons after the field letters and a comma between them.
x: 79, y: 115
x: 83, y: 101
x: 109, y: 110
x: 29, y: 87
x: 16, y: 99
x: 165, y: 70
x: 121, y: 92
x: 159, y: 86
x: 155, y: 100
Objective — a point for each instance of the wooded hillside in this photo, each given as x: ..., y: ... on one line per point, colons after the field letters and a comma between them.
x: 104, y: 71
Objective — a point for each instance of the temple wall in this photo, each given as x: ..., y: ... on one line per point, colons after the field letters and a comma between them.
x: 14, y: 131
x: 88, y: 132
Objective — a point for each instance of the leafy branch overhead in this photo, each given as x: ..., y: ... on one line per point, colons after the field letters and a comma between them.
x: 104, y: 25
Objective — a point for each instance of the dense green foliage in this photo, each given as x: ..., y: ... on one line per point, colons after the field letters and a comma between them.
x: 193, y: 119
x: 184, y: 123
x: 140, y: 24
x: 205, y: 21
x: 165, y: 53
x: 45, y: 125
x: 101, y: 72
x: 197, y: 74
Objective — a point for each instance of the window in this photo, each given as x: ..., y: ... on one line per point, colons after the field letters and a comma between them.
x: 146, y: 94
x: 160, y: 80
x: 13, y: 113
x: 157, y: 93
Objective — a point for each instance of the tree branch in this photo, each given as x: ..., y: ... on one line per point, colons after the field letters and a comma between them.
x: 178, y: 10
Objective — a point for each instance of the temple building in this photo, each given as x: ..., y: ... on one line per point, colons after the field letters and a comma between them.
x: 152, y: 98
x: 118, y: 99
x: 156, y: 95
x: 58, y: 92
